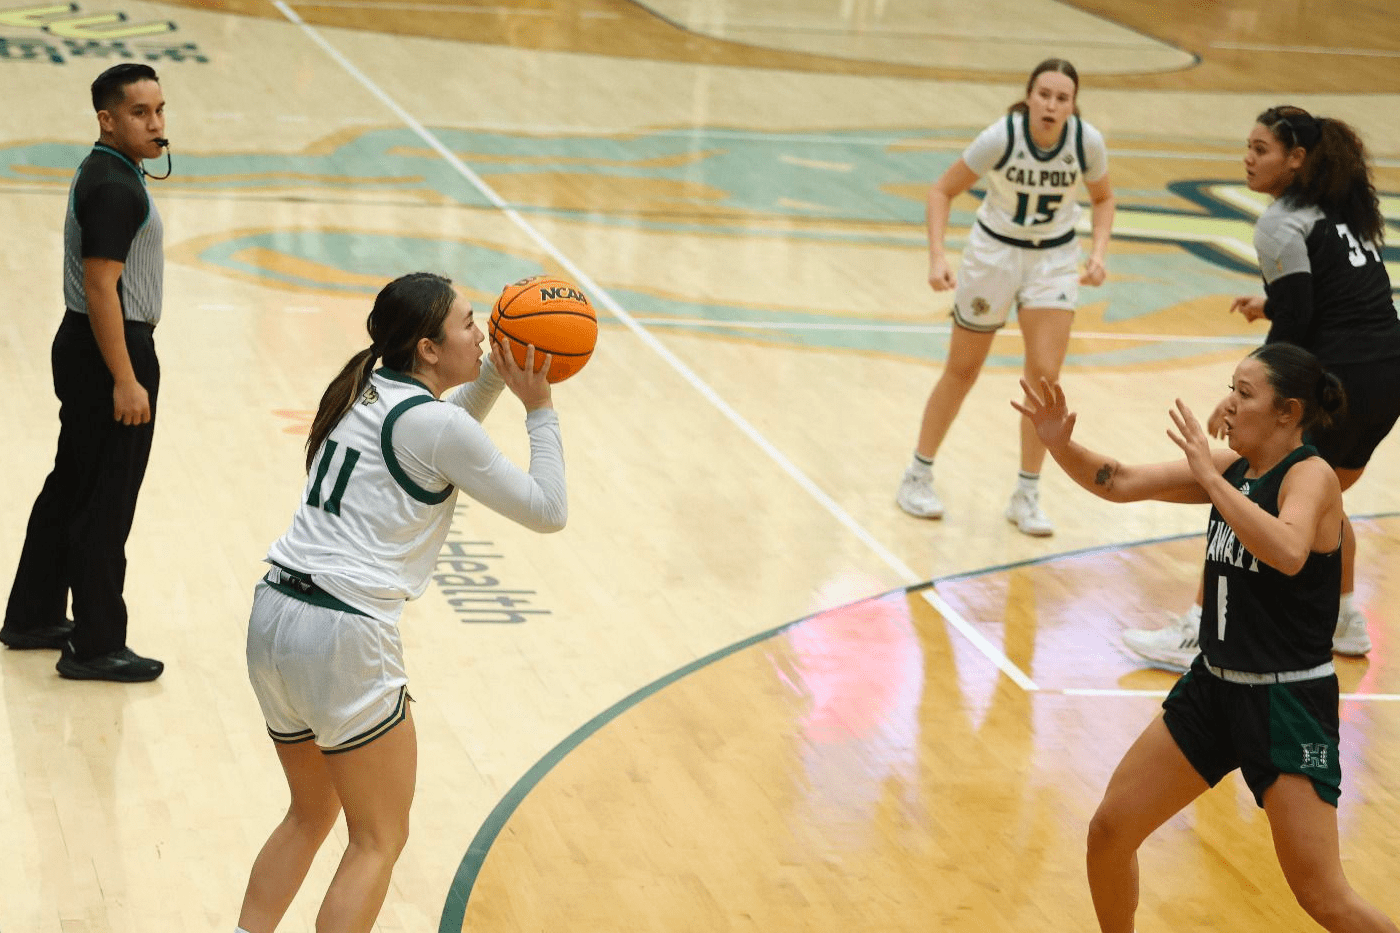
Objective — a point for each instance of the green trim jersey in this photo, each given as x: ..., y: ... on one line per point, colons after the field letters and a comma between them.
x: 1031, y: 192
x: 1256, y: 618
x: 379, y: 497
x: 111, y: 215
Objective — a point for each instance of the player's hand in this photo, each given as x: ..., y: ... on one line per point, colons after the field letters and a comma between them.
x: 1049, y: 413
x: 1215, y: 424
x: 940, y: 276
x: 1251, y: 306
x: 1193, y: 442
x: 528, y: 382
x: 1094, y: 273
x: 131, y: 404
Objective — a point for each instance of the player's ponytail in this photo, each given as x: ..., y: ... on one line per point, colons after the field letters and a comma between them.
x: 405, y: 311
x: 1050, y: 64
x: 1335, y: 176
x: 1331, y: 401
x: 1296, y: 374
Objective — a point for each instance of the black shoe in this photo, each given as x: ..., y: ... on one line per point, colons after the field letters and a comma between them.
x: 122, y: 665
x: 48, y: 636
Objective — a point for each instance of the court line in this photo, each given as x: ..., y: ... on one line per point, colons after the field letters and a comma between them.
x: 729, y: 28
x: 1307, y: 49
x: 473, y: 8
x: 844, y: 518
x: 1232, y: 339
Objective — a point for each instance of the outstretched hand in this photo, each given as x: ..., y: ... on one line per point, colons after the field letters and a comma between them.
x: 1048, y: 412
x: 528, y: 383
x: 1250, y: 306
x: 1192, y: 440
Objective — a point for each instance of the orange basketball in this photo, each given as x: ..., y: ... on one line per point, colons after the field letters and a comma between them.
x: 552, y: 314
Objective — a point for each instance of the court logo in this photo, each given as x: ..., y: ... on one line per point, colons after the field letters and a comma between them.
x: 65, y: 32
x: 1314, y: 756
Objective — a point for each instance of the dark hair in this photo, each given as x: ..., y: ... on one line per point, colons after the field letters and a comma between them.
x: 1296, y: 373
x: 405, y: 311
x: 110, y: 87
x: 1334, y: 177
x: 1050, y: 64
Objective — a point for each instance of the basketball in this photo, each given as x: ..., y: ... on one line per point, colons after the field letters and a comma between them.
x: 552, y: 314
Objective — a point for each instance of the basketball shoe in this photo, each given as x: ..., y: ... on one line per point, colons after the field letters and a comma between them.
x: 1350, y: 638
x: 1173, y: 646
x: 916, y: 495
x: 1024, y: 512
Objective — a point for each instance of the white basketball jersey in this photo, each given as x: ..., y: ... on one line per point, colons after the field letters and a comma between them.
x: 365, y: 531
x: 1031, y: 193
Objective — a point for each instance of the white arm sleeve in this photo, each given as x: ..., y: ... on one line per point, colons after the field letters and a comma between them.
x: 478, y: 397
x: 431, y: 448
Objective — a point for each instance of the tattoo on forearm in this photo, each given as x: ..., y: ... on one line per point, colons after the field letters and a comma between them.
x: 1105, y: 474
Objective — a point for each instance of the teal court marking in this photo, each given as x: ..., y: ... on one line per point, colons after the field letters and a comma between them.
x: 835, y: 188
x: 469, y: 869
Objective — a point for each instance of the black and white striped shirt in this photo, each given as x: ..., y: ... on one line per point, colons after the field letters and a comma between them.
x: 111, y: 216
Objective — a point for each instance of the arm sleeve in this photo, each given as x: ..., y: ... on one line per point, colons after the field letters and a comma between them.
x: 459, y: 449
x: 477, y: 398
x: 1095, y: 154
x: 109, y: 216
x: 1288, y: 304
x: 987, y: 149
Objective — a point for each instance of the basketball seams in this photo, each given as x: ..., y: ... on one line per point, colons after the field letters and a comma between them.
x: 523, y: 342
x: 575, y: 324
x: 562, y: 312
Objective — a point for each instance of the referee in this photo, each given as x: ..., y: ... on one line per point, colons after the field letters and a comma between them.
x: 106, y: 376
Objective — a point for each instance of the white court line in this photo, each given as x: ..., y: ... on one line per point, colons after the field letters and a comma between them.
x: 474, y: 8
x: 1307, y: 49
x: 1232, y: 339
x: 686, y: 373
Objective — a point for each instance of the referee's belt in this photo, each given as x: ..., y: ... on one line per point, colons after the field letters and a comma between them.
x: 1253, y: 679
x: 1060, y: 240
x: 294, y: 579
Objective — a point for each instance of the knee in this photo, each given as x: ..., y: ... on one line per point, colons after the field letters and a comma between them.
x: 1331, y: 906
x: 315, y: 818
x: 385, y: 837
x: 1110, y: 836
x: 960, y: 376
x: 1036, y: 370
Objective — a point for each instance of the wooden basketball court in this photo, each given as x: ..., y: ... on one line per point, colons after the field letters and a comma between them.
x: 742, y: 691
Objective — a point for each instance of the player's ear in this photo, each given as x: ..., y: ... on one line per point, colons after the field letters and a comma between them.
x: 427, y: 351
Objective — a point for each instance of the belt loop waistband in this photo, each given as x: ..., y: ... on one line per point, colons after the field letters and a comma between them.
x: 1254, y: 679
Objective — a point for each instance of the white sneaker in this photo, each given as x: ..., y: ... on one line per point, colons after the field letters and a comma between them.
x: 1350, y: 638
x: 1172, y: 647
x: 916, y: 495
x: 1024, y: 511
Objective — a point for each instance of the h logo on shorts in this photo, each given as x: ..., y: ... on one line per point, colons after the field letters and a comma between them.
x: 1314, y: 756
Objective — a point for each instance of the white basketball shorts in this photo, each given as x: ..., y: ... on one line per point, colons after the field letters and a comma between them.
x: 324, y: 675
x: 994, y: 275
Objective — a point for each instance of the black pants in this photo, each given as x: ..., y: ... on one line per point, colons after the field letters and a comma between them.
x: 76, y: 539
